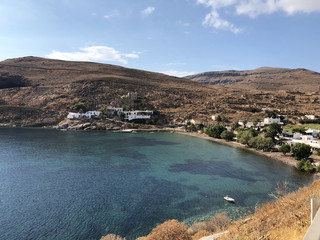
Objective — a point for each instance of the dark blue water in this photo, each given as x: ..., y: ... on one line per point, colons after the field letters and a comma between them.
x: 82, y: 185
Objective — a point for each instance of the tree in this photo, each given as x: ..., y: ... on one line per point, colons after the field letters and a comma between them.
x: 271, y: 114
x: 80, y: 107
x: 285, y: 148
x: 215, y: 131
x: 256, y: 121
x: 235, y: 125
x: 300, y: 164
x: 243, y: 137
x: 227, y: 135
x: 122, y: 115
x: 267, y: 144
x: 256, y: 142
x: 301, y: 151
x: 308, y: 167
x: 272, y: 130
x: 219, y: 119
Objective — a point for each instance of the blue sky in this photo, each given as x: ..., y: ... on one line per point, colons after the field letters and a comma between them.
x: 177, y: 37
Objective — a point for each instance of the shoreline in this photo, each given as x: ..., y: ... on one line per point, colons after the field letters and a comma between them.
x: 274, y: 155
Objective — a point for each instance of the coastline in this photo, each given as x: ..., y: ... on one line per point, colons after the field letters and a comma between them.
x: 274, y: 155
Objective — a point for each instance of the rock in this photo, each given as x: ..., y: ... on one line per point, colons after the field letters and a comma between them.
x: 63, y: 126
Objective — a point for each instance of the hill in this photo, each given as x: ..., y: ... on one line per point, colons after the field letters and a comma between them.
x: 40, y: 92
x: 265, y: 78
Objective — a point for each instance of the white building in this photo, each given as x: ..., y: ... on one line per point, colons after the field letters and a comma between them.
x: 72, y: 115
x: 268, y: 121
x: 312, y: 132
x: 132, y: 115
x: 88, y: 114
x: 114, y: 109
x: 311, y: 117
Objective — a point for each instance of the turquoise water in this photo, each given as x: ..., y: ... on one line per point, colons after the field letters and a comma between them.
x: 83, y: 185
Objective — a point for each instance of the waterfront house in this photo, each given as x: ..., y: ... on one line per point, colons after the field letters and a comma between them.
x: 88, y: 114
x: 137, y: 114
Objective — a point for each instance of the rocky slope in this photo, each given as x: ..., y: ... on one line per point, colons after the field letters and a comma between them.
x: 39, y: 92
x: 267, y: 79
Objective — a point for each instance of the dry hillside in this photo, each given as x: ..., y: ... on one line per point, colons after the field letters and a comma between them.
x: 39, y: 92
x: 266, y: 79
x: 286, y: 218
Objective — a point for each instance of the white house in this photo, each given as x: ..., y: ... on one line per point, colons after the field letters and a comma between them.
x: 312, y: 132
x: 88, y: 114
x: 114, y: 109
x: 72, y: 115
x: 311, y: 117
x: 132, y: 115
x: 268, y: 121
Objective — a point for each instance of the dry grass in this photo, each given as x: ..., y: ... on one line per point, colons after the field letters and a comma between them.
x: 286, y: 218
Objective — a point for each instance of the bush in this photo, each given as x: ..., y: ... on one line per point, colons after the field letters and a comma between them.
x: 170, y: 230
x: 318, y: 169
x: 243, y: 137
x: 227, y: 135
x: 255, y: 142
x: 80, y: 107
x: 215, y: 131
x: 300, y: 165
x: 197, y: 227
x: 200, y: 234
x: 218, y: 222
x: 285, y: 148
x: 308, y: 167
x: 301, y: 150
x: 112, y: 237
x: 272, y: 130
x: 267, y: 144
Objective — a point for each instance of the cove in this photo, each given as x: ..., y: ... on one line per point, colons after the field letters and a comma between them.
x: 83, y: 185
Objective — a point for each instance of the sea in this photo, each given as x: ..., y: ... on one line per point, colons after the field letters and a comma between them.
x: 84, y: 185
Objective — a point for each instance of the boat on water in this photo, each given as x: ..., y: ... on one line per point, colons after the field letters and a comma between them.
x: 229, y: 199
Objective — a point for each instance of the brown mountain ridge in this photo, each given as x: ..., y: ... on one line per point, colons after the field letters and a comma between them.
x: 265, y: 78
x: 40, y: 92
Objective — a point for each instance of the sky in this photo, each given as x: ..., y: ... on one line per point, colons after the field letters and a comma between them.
x: 175, y: 37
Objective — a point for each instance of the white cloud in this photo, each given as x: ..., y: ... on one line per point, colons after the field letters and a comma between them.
x: 112, y: 14
x: 148, y: 11
x: 213, y: 19
x: 94, y: 53
x: 177, y: 73
x: 253, y: 8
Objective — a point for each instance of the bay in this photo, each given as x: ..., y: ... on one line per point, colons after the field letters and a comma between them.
x: 83, y: 185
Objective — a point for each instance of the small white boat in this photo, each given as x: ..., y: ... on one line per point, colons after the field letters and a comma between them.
x: 229, y: 199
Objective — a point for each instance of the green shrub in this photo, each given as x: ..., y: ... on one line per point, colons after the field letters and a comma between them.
x: 308, y: 167
x: 318, y: 169
x: 285, y: 148
x: 227, y: 135
x: 215, y: 131
x: 300, y: 164
x: 301, y: 150
x: 244, y: 137
x: 80, y: 107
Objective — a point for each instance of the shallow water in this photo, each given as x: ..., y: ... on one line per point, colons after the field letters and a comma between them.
x: 82, y: 185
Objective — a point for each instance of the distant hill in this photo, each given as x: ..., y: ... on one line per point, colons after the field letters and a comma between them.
x: 40, y: 92
x: 265, y: 78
